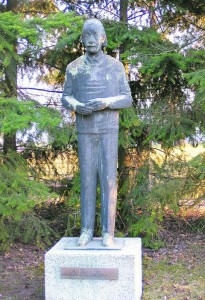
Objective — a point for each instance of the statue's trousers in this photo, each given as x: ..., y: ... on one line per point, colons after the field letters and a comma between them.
x: 98, y: 159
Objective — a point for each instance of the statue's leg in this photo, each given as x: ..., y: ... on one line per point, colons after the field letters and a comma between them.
x: 88, y: 156
x: 108, y: 183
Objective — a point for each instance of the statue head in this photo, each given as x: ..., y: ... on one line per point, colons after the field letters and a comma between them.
x: 93, y: 36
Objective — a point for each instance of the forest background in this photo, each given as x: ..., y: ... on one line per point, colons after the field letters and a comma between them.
x: 162, y: 45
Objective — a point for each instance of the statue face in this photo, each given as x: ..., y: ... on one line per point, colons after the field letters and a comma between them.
x: 93, y: 38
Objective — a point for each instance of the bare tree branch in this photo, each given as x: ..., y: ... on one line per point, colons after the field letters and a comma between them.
x: 42, y: 90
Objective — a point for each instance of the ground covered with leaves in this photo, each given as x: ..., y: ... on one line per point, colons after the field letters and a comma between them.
x: 174, y: 272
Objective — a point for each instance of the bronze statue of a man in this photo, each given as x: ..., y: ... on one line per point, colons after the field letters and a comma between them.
x: 96, y: 88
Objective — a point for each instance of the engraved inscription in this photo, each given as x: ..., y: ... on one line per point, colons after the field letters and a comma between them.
x: 89, y: 273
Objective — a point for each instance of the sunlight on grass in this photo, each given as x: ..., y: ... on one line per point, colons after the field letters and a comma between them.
x: 175, y: 277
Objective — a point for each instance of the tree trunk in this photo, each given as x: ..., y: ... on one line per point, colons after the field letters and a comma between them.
x: 11, y: 84
x: 123, y: 11
x: 121, y: 151
x: 11, y: 5
x: 152, y: 15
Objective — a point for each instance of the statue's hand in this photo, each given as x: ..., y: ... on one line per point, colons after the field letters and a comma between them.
x: 84, y: 110
x: 97, y: 104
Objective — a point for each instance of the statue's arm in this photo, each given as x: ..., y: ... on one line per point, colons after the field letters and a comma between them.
x: 124, y: 100
x: 119, y: 102
x: 68, y: 101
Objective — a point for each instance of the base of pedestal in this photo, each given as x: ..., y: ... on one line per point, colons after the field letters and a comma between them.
x: 97, y: 274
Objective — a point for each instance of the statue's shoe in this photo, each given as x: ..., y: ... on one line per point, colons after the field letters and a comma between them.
x: 85, y: 237
x: 108, y: 240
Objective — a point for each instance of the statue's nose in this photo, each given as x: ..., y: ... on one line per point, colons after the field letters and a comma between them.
x: 90, y: 39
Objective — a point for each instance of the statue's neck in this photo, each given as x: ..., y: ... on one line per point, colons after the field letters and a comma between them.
x: 93, y: 57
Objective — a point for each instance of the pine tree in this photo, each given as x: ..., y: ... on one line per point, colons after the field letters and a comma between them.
x: 162, y: 75
x: 21, y: 42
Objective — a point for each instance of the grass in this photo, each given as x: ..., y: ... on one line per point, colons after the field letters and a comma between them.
x: 175, y: 273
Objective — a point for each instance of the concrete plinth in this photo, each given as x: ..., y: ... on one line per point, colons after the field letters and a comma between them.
x: 94, y: 274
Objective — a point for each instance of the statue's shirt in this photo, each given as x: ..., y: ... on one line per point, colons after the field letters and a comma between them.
x: 102, y: 78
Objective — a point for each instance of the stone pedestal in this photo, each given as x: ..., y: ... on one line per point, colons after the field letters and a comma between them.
x: 95, y: 273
